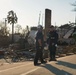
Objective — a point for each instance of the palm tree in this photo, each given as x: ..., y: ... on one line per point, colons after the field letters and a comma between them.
x: 12, y: 19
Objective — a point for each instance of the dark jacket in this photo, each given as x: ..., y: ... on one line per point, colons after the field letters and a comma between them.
x: 39, y: 35
x: 52, y: 37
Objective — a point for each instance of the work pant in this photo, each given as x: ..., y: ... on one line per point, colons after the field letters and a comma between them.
x: 52, y: 50
x: 38, y: 55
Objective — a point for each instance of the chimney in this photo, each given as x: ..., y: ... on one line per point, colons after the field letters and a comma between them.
x: 47, y: 21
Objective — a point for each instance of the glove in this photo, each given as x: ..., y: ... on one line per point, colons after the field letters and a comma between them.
x: 55, y: 45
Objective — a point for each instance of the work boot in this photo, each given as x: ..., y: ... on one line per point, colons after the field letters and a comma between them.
x: 43, y: 62
x: 54, y: 60
x: 37, y: 64
x: 50, y: 60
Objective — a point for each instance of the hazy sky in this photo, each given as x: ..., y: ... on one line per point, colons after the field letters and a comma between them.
x: 28, y: 10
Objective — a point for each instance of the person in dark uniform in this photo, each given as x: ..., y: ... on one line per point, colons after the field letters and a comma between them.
x: 52, y: 42
x: 39, y: 46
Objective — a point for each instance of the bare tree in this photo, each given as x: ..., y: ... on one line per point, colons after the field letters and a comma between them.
x: 18, y: 28
x: 25, y: 31
x: 3, y: 28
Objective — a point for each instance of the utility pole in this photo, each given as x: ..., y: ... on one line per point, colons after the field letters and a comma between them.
x: 5, y: 26
x: 42, y: 19
x: 74, y: 4
x: 39, y: 18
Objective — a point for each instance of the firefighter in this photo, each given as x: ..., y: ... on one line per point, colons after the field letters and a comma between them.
x: 52, y: 42
x: 39, y: 46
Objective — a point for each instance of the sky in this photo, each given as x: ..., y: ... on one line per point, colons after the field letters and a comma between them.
x: 28, y: 11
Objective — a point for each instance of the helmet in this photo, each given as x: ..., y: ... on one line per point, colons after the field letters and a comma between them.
x: 39, y: 27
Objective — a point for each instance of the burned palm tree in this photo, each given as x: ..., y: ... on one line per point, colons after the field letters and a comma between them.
x: 12, y: 19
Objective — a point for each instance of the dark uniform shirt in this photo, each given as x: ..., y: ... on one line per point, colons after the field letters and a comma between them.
x: 39, y: 35
x: 52, y: 37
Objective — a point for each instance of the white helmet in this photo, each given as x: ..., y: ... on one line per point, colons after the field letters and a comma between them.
x: 39, y: 27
